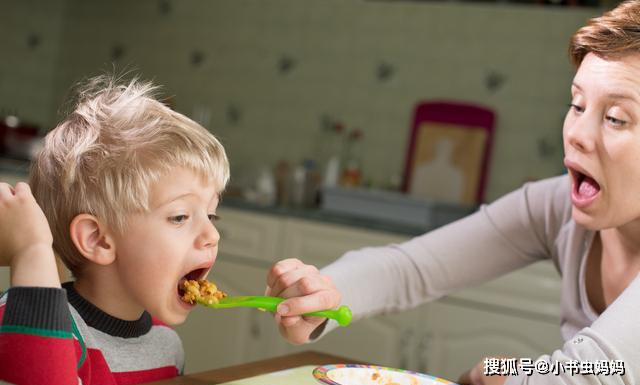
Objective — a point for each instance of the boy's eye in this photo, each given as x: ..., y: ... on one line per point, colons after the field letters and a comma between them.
x: 213, y: 218
x: 178, y: 219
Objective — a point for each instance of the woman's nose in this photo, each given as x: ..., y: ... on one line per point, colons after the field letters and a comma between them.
x: 208, y: 237
x: 581, y: 134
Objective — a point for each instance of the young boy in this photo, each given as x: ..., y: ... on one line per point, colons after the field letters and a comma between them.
x: 125, y: 192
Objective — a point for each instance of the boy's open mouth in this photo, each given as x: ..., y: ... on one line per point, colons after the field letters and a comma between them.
x: 193, y: 275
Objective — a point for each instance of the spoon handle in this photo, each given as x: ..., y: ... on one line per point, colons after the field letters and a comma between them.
x: 342, y: 315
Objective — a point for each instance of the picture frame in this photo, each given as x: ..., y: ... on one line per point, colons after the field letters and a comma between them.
x: 448, y: 152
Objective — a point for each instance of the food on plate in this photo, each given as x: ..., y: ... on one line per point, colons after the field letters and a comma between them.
x: 201, y: 291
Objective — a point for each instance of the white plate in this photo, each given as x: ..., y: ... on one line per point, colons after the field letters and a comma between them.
x: 351, y: 374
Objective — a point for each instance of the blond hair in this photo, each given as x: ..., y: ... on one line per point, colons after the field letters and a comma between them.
x: 104, y: 157
x: 614, y: 34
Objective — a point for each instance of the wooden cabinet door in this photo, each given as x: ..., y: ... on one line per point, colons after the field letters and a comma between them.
x: 216, y: 338
x: 458, y: 337
x: 533, y: 290
x: 321, y: 244
x: 374, y: 340
x: 247, y: 235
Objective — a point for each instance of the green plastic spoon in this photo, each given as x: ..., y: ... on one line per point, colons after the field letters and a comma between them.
x: 342, y: 315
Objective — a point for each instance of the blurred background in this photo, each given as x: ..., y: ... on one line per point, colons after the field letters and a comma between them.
x: 328, y: 110
x: 276, y: 79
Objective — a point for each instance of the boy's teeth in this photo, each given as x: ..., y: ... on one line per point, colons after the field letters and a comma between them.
x: 181, y: 286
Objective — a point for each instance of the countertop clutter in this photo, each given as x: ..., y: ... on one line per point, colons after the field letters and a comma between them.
x: 360, y: 207
x: 363, y: 215
x: 375, y: 210
x: 18, y: 139
x: 13, y: 171
x: 15, y: 167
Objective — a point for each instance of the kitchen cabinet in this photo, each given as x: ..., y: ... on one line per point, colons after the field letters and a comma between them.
x: 515, y: 315
x: 224, y: 337
x: 248, y: 237
x: 249, y: 245
x: 377, y: 339
x: 456, y: 337
x: 320, y: 243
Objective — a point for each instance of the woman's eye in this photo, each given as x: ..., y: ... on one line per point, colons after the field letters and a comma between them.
x: 178, y: 219
x: 213, y: 218
x: 576, y: 108
x: 615, y: 122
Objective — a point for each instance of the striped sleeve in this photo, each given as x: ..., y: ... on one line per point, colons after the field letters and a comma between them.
x: 36, y: 340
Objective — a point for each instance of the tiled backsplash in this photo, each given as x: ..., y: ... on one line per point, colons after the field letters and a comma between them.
x: 261, y: 74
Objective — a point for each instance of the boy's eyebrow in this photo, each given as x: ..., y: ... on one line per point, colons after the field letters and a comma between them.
x: 178, y: 197
x: 216, y: 196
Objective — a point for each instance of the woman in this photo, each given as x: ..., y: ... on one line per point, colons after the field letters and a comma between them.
x: 587, y: 222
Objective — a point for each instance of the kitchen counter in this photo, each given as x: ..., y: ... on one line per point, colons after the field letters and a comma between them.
x: 12, y: 171
x: 320, y: 215
x: 15, y: 166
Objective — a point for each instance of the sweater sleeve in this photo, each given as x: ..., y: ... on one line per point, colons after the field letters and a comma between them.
x: 514, y: 231
x: 36, y: 340
x: 604, y: 353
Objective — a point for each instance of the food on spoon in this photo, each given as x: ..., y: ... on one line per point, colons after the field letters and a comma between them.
x: 201, y: 291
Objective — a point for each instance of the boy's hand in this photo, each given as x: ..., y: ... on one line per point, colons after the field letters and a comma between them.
x: 25, y: 238
x: 307, y: 291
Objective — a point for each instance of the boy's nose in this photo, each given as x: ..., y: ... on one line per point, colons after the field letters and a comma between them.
x: 209, y: 236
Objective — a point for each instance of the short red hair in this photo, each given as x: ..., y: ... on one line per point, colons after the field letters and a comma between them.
x: 614, y: 34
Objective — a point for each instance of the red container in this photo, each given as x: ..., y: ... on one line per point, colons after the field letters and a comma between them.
x: 18, y: 141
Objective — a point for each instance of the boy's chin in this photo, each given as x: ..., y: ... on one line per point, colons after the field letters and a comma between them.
x: 176, y: 319
x: 179, y: 321
x: 170, y: 318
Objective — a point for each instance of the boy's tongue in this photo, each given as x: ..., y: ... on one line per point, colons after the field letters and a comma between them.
x: 588, y: 187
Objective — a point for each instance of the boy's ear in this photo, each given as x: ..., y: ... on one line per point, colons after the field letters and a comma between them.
x: 92, y: 239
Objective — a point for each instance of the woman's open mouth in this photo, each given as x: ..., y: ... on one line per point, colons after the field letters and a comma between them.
x: 584, y: 190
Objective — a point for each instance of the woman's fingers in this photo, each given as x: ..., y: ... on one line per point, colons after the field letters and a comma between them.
x: 291, y: 278
x: 316, y: 301
x: 290, y: 321
x: 281, y: 267
x: 306, y: 291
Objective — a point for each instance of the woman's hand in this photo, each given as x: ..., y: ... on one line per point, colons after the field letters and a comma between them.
x: 306, y: 291
x: 476, y: 376
x: 25, y: 238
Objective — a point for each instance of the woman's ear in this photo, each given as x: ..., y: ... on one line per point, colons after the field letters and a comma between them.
x: 92, y: 239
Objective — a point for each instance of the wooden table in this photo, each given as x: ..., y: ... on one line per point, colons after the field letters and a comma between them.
x: 251, y: 369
